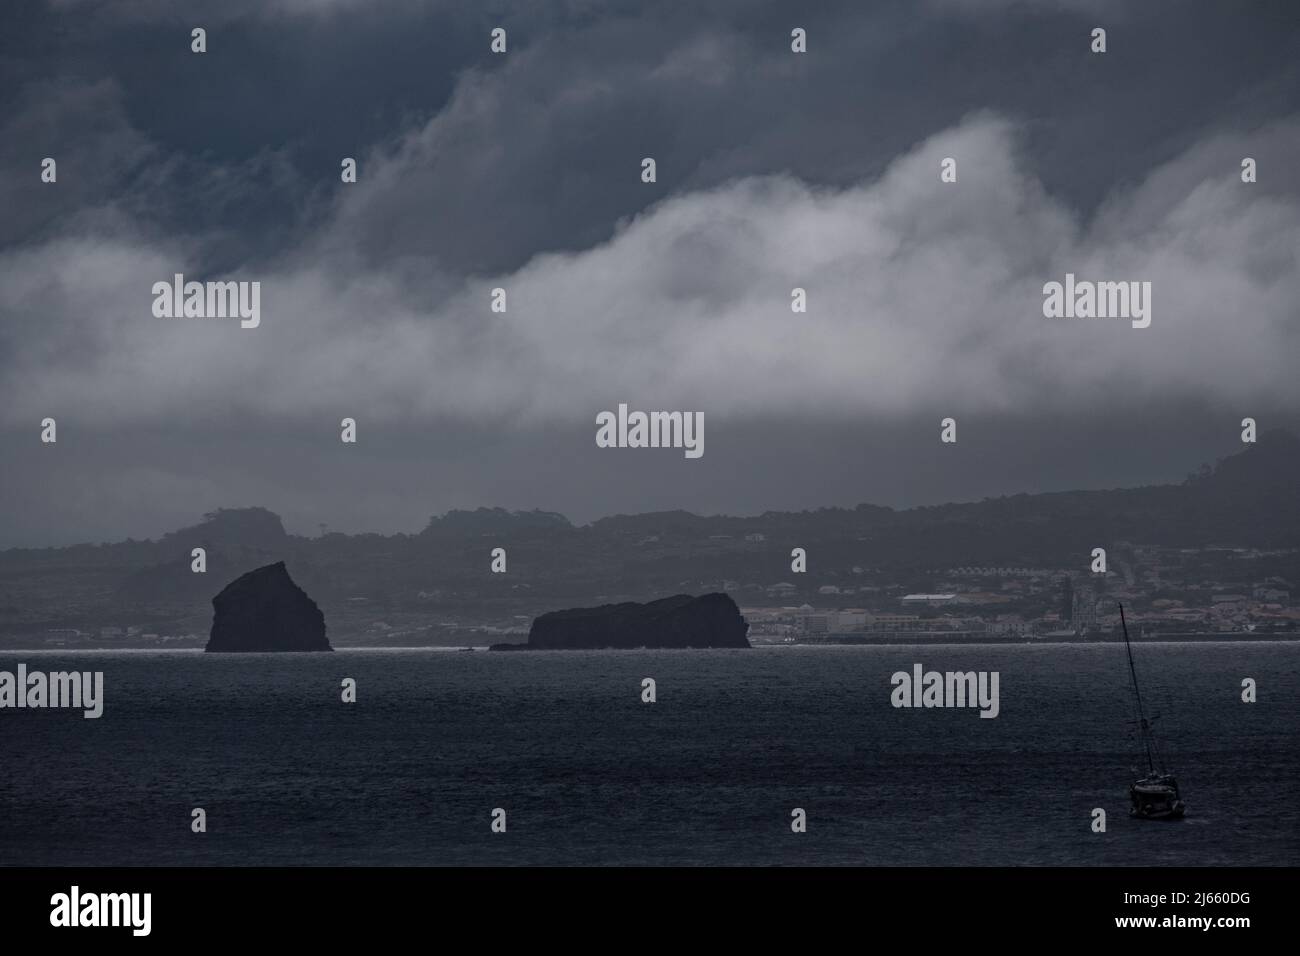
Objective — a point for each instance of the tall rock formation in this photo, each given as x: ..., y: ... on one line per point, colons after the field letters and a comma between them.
x: 264, y: 610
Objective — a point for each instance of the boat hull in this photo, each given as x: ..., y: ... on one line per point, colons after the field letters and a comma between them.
x: 1156, y: 801
x: 1174, y: 812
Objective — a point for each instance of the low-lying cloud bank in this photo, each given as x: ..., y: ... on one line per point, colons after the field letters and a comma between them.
x: 921, y: 294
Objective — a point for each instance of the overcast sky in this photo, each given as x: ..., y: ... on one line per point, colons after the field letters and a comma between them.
x: 522, y: 171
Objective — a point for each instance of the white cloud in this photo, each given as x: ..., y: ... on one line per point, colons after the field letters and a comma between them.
x: 921, y: 295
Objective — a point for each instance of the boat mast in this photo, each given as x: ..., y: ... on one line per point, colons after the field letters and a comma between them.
x: 1143, y: 727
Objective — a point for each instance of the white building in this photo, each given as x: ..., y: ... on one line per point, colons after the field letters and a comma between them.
x: 930, y: 600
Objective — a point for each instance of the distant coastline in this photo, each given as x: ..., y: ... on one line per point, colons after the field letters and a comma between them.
x: 1216, y: 557
x: 987, y: 640
x: 912, y: 641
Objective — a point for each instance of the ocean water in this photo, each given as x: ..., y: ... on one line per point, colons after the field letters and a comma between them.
x: 588, y: 774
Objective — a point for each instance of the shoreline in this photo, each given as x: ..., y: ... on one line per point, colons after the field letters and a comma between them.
x: 480, y: 648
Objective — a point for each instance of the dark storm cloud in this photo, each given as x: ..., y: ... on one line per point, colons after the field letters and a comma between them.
x: 588, y: 89
x: 84, y: 126
x: 522, y: 171
x: 715, y: 98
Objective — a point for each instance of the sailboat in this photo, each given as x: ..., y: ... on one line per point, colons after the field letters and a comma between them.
x: 1154, y: 796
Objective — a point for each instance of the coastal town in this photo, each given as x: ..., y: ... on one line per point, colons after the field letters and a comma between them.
x: 1001, y: 604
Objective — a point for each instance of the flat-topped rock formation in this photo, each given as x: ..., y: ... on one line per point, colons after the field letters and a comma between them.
x: 711, y: 620
x: 264, y: 610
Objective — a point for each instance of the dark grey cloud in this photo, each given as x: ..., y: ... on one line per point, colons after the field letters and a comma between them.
x: 590, y: 88
x: 522, y: 171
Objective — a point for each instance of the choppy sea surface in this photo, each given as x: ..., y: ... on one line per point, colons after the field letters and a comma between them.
x: 708, y: 774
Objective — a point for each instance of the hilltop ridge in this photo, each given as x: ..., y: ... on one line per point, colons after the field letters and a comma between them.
x: 429, y: 584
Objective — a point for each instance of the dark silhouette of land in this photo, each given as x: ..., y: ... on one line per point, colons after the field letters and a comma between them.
x: 681, y: 621
x: 433, y: 586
